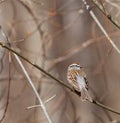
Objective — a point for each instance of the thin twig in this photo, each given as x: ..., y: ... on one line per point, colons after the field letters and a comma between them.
x: 105, y: 107
x: 9, y: 80
x: 59, y: 81
x: 34, y: 89
x: 30, y: 82
x: 75, y: 50
x: 107, y: 22
x: 36, y: 106
x: 105, y: 33
x: 106, y: 14
x: 8, y: 95
x: 33, y: 106
x: 100, y: 26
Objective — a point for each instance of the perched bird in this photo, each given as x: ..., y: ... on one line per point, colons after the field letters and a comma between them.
x: 77, y: 78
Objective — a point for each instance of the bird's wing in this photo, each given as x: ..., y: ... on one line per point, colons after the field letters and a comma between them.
x: 73, y: 80
x: 83, y: 74
x: 81, y: 82
x: 75, y: 85
x: 86, y: 81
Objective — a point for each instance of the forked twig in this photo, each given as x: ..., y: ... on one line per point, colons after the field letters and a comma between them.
x: 36, y: 106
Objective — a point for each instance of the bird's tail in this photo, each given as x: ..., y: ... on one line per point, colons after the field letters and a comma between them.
x: 85, y: 95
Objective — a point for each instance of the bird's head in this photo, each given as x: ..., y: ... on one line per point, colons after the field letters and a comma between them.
x: 74, y: 66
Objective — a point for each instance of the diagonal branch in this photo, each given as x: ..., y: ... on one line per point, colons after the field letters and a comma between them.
x: 106, y: 14
x: 33, y: 87
x: 57, y: 80
x: 100, y: 26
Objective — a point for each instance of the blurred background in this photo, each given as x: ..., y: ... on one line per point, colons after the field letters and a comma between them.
x: 54, y: 34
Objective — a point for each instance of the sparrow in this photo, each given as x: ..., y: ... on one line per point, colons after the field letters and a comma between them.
x: 77, y: 79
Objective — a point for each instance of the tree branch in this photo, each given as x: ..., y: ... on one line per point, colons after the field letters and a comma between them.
x: 57, y: 80
x: 106, y: 13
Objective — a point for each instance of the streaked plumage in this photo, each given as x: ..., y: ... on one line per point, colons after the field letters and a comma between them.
x: 77, y: 78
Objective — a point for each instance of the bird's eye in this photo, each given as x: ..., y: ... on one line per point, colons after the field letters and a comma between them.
x: 77, y: 65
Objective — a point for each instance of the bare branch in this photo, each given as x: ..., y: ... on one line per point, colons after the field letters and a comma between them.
x: 105, y: 13
x: 57, y: 80
x: 31, y: 83
x: 100, y: 26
